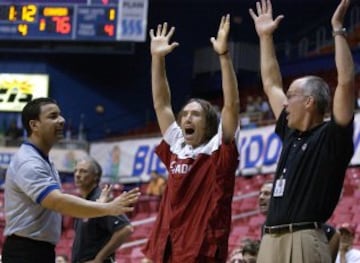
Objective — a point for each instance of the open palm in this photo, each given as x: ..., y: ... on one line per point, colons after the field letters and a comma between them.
x: 337, y: 19
x: 160, y: 40
x: 220, y: 43
x: 263, y: 18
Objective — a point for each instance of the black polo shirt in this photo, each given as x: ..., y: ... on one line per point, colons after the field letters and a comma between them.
x: 313, y: 164
x: 91, y: 234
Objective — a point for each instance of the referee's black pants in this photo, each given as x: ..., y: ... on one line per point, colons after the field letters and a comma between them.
x: 25, y: 250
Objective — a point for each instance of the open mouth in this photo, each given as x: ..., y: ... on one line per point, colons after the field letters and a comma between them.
x: 189, y: 131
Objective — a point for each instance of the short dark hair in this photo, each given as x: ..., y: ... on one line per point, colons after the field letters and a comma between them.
x: 31, y: 111
x: 211, y: 116
x: 251, y: 247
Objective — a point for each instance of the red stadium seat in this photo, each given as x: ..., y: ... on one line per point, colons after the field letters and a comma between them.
x: 249, y: 204
x: 137, y: 254
x: 140, y: 232
x: 69, y: 234
x: 357, y: 194
x: 257, y: 221
x: 340, y: 218
x: 68, y: 222
x: 240, y: 230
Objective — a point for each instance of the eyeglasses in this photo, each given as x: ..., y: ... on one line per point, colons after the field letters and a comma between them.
x: 293, y: 95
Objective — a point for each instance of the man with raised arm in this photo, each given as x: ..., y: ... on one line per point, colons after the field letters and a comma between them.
x: 201, y: 156
x: 315, y: 154
x: 96, y: 239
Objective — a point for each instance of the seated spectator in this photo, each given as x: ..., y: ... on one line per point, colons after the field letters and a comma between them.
x: 250, y: 251
x: 236, y: 256
x: 250, y: 105
x: 61, y: 259
x: 347, y: 254
x: 252, y: 114
x: 264, y: 108
x: 156, y: 185
x: 246, y: 122
x: 246, y: 253
x: 13, y: 132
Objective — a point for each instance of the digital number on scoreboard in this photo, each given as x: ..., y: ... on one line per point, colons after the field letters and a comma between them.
x: 82, y: 20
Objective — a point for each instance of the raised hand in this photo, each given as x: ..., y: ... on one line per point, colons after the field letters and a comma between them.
x: 337, y: 19
x: 160, y: 41
x: 220, y: 43
x: 105, y: 195
x: 263, y: 20
x: 124, y: 202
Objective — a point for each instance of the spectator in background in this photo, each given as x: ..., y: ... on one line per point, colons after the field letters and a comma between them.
x: 156, y: 185
x: 236, y: 256
x: 13, y: 132
x: 96, y: 239
x: 315, y: 153
x: 252, y: 114
x: 264, y: 197
x: 62, y: 259
x: 251, y: 106
x: 347, y: 254
x: 246, y: 253
x: 250, y: 251
x: 264, y: 108
x: 33, y: 198
x: 247, y: 119
x: 201, y: 156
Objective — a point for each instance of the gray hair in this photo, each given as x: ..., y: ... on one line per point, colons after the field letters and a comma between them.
x: 320, y: 91
x: 94, y: 166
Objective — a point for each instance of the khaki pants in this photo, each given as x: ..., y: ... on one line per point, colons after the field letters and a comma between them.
x: 304, y: 246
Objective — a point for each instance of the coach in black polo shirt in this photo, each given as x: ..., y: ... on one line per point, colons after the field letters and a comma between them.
x: 96, y: 239
x: 315, y: 154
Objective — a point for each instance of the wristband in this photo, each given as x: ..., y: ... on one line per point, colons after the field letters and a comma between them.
x: 339, y: 32
x: 224, y: 53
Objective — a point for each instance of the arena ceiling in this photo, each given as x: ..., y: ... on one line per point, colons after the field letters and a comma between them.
x: 202, y: 15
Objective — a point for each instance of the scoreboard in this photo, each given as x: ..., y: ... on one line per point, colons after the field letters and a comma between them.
x: 74, y: 20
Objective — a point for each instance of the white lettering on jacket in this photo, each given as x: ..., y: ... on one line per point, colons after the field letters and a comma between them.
x: 179, y: 168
